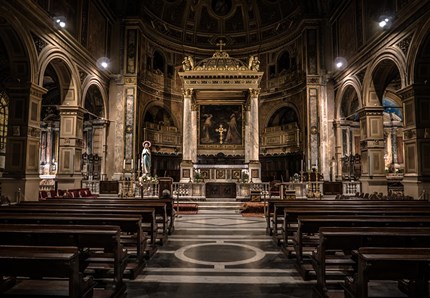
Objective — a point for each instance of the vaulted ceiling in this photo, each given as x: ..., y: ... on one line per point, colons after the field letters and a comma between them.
x: 239, y: 23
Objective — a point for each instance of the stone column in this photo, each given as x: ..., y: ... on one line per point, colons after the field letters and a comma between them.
x: 70, y: 155
x: 193, y: 128
x: 189, y: 150
x: 394, y: 145
x: 23, y: 143
x: 252, y: 140
x: 416, y: 131
x: 372, y: 150
x: 338, y: 150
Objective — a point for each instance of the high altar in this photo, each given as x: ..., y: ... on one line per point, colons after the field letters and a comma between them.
x: 220, y: 119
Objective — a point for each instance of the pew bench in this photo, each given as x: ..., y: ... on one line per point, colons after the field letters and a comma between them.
x: 105, y: 258
x: 149, y: 224
x: 49, y: 265
x: 387, y: 263
x: 170, y: 212
x: 163, y: 227
x: 306, y: 238
x: 274, y: 211
x: 337, y: 243
x: 132, y: 238
x: 291, y: 214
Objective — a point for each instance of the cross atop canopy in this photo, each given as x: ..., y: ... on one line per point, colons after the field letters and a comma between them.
x: 221, y: 44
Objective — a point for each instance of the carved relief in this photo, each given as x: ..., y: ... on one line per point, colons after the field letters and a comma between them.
x: 404, y: 44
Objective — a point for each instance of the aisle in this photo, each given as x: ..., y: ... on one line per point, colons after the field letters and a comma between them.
x: 219, y: 254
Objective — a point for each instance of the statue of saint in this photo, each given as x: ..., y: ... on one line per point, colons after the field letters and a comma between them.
x: 146, y: 158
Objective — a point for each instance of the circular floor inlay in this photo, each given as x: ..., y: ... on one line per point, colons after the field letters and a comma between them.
x: 219, y: 254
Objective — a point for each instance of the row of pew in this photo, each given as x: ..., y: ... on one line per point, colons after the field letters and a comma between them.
x: 346, y: 244
x: 79, y: 247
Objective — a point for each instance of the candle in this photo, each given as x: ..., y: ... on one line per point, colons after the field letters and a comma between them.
x: 123, y: 164
x: 301, y: 165
x: 132, y: 164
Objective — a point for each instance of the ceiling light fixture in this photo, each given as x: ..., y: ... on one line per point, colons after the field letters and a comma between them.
x: 340, y: 63
x: 60, y: 21
x: 103, y: 63
x: 384, y: 21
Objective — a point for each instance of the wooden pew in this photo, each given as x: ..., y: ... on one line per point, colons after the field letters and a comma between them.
x: 291, y: 213
x: 160, y: 206
x: 388, y: 263
x: 275, y: 212
x: 347, y: 239
x: 34, y: 262
x: 169, y: 215
x: 310, y: 225
x: 132, y: 236
x: 148, y: 215
x: 101, y: 243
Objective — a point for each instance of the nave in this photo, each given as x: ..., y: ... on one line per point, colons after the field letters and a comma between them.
x: 219, y: 254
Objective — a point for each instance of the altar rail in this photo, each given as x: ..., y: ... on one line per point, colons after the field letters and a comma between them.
x: 190, y: 190
x: 350, y: 188
x: 197, y: 190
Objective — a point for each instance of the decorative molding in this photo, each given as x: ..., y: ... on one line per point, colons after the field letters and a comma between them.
x: 39, y: 43
x: 405, y: 43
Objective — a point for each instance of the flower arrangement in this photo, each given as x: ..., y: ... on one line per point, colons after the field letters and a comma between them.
x: 148, y: 179
x: 245, y: 176
x: 197, y: 175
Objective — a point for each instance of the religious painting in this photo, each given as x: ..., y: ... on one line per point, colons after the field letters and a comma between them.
x: 220, y: 125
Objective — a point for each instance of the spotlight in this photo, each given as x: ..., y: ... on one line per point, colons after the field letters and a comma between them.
x: 384, y: 21
x: 103, y: 63
x: 60, y: 21
x: 340, y: 63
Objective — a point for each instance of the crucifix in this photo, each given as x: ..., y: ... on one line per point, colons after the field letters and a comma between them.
x: 220, y: 130
x: 220, y: 44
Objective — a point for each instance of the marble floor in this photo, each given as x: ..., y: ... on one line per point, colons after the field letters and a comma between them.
x: 219, y: 254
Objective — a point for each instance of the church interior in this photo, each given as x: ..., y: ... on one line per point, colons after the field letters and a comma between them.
x: 280, y: 103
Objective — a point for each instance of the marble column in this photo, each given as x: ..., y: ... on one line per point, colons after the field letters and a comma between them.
x: 338, y: 150
x: 188, y: 147
x: 253, y: 141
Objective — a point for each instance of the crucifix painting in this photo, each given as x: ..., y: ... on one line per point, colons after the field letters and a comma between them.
x: 220, y: 125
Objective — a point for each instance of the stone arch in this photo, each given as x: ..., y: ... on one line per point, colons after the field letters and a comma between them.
x: 158, y: 114
x: 387, y: 67
x: 347, y: 90
x: 18, y: 37
x: 277, y: 109
x: 92, y: 83
x: 415, y: 51
x: 67, y: 75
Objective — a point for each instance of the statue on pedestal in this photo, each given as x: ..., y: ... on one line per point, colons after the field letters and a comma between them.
x: 146, y: 159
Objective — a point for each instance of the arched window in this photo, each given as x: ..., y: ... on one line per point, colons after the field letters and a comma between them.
x: 158, y: 62
x: 284, y: 62
x: 4, y: 115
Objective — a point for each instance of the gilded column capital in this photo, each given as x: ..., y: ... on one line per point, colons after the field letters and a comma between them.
x: 254, y: 92
x: 187, y: 92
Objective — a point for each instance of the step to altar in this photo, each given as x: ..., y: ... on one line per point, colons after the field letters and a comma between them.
x: 216, y: 204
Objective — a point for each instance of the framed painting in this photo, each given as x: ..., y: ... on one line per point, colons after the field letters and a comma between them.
x: 220, y: 125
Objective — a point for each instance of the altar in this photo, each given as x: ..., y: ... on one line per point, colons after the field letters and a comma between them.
x: 220, y: 190
x: 220, y: 122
